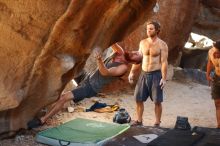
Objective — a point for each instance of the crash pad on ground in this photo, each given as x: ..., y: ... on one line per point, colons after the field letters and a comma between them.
x: 80, y: 132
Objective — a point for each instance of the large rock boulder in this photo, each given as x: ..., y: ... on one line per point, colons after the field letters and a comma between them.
x: 24, y: 26
x: 45, y: 43
x: 207, y: 22
x: 194, y: 59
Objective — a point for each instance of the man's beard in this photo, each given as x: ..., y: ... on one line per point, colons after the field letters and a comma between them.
x: 152, y: 35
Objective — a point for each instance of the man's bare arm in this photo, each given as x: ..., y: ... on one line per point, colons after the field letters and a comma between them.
x: 164, y: 65
x: 117, y: 48
x: 113, y: 71
x: 164, y: 62
x: 209, y: 68
x: 134, y: 68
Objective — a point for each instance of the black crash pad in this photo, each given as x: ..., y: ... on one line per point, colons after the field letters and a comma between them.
x: 127, y: 139
x: 211, y: 138
x: 178, y: 138
x: 203, y: 136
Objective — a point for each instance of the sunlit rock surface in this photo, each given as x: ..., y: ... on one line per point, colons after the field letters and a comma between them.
x: 45, y: 43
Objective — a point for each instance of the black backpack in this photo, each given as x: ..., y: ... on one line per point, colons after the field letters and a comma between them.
x: 182, y: 123
x: 122, y: 116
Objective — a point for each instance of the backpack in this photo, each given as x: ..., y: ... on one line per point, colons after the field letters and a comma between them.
x: 121, y: 116
x: 182, y: 123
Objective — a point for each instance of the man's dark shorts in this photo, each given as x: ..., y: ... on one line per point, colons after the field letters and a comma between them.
x: 148, y: 85
x: 83, y: 91
x: 215, y: 87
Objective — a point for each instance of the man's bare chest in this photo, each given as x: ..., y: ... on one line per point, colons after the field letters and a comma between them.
x: 151, y: 51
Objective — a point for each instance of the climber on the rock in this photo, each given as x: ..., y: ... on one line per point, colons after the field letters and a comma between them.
x: 116, y: 67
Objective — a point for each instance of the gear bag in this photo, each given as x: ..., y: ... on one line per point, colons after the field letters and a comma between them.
x: 182, y: 123
x: 122, y: 116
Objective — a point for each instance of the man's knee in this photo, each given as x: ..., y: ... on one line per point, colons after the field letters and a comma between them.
x: 65, y: 97
x: 139, y: 102
x: 157, y: 103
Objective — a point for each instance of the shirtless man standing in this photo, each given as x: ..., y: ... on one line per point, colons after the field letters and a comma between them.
x: 153, y: 76
x: 214, y: 63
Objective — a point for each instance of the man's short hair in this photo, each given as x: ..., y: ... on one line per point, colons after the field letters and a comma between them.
x: 156, y: 25
x: 216, y: 44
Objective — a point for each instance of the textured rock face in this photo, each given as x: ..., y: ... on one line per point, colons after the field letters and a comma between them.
x: 24, y: 27
x: 195, y: 59
x: 176, y: 18
x: 45, y: 43
x: 211, y: 3
x: 207, y: 21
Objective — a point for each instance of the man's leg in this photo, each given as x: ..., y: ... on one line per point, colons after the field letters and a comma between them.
x: 217, y: 106
x: 140, y: 110
x: 58, y: 106
x: 158, y: 112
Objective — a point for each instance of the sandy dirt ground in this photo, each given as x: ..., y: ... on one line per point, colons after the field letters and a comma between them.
x: 187, y: 99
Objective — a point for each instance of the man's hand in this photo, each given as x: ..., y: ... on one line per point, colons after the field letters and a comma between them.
x: 162, y: 83
x: 98, y: 56
x: 209, y: 79
x: 131, y: 78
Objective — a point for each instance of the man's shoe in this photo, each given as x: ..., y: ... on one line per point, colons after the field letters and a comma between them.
x: 156, y: 125
x: 136, y: 123
x: 34, y: 123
